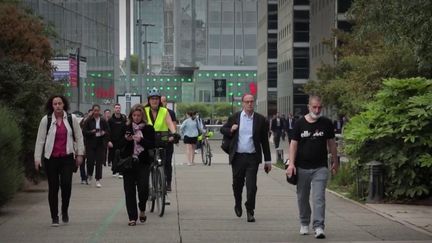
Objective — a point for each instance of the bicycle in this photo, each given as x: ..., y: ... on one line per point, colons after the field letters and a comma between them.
x: 206, y: 153
x: 157, y: 185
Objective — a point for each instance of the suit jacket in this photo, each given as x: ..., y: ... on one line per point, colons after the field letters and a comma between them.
x: 260, y: 136
x: 274, y: 126
x: 90, y: 139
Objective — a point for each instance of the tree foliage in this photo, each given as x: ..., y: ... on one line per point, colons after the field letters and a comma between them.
x: 382, y: 45
x: 25, y: 73
x: 11, y: 169
x: 396, y: 129
x: 23, y: 38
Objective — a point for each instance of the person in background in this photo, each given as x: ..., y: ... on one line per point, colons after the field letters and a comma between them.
x: 82, y: 168
x: 289, y: 126
x: 189, y: 128
x: 96, y: 133
x: 200, y: 124
x: 277, y: 127
x: 312, y: 135
x: 139, y: 139
x: 55, y: 145
x: 117, y: 126
x: 170, y: 147
x: 249, y: 133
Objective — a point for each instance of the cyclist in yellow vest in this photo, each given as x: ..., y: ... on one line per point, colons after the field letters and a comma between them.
x: 157, y: 115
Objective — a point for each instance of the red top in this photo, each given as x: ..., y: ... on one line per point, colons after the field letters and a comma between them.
x: 59, y: 149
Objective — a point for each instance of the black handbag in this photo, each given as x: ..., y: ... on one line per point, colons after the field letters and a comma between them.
x: 293, y: 179
x: 226, y: 141
x: 121, y: 164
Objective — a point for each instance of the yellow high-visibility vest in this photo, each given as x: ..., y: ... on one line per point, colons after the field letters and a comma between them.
x: 160, y: 122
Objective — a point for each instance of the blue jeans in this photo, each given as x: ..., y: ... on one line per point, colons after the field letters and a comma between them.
x: 317, y: 180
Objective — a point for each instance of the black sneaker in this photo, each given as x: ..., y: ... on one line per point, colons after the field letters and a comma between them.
x: 55, y: 223
x: 65, y: 218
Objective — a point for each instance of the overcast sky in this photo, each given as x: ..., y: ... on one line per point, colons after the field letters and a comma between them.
x: 122, y: 28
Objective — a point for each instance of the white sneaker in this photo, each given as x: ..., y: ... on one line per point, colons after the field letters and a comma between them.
x: 319, y: 233
x: 98, y: 184
x: 115, y: 175
x: 196, y: 151
x: 120, y: 176
x: 304, y: 229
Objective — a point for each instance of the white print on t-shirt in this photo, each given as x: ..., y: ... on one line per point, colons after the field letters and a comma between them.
x: 306, y: 134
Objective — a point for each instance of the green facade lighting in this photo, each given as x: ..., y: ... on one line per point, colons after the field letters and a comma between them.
x: 238, y: 74
x: 92, y: 94
x: 168, y: 97
x: 175, y: 88
x: 93, y: 84
x: 109, y: 75
x: 99, y: 75
x: 230, y: 84
x: 175, y: 96
x: 215, y: 74
x: 168, y: 88
x: 254, y: 74
x: 175, y: 80
x: 239, y: 84
x: 238, y: 103
x: 208, y: 74
x: 199, y: 74
x: 182, y: 79
x: 133, y: 79
x: 168, y: 80
x: 230, y: 93
x: 189, y: 79
x: 161, y: 80
x: 239, y: 94
x: 247, y: 74
x: 148, y: 79
x: 223, y: 74
x: 231, y: 74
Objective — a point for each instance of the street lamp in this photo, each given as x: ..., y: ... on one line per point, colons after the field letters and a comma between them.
x: 150, y: 63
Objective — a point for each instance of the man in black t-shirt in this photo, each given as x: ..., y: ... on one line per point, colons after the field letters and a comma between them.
x: 312, y: 135
x: 170, y: 148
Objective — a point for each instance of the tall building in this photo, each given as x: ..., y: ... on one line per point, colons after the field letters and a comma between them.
x: 151, y: 12
x: 324, y: 18
x: 293, y: 56
x: 267, y: 57
x: 93, y: 27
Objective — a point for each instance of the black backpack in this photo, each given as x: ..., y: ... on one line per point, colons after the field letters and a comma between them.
x: 69, y: 118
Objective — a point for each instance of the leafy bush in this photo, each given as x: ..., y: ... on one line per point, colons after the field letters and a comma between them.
x: 11, y: 170
x: 396, y: 129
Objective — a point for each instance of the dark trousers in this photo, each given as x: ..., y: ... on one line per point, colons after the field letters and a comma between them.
x: 82, y: 168
x: 137, y: 178
x: 59, y: 172
x: 96, y: 155
x: 168, y: 162
x: 276, y: 137
x: 111, y: 152
x: 245, y: 166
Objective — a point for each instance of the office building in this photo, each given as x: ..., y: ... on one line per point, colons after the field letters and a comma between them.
x: 267, y: 57
x: 93, y: 28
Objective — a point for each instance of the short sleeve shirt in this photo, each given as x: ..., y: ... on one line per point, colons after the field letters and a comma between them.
x: 312, y: 142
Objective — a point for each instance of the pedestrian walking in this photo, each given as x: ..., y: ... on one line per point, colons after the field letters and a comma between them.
x: 82, y: 168
x: 139, y: 139
x: 96, y: 133
x: 289, y: 126
x: 60, y: 144
x: 248, y: 131
x: 277, y: 127
x: 117, y: 126
x: 190, y: 129
x: 312, y: 135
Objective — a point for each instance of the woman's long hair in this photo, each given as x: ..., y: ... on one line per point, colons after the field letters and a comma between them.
x: 140, y: 108
x: 49, y: 106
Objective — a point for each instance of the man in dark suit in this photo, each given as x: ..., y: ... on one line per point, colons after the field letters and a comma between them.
x: 289, y: 126
x: 277, y: 127
x: 249, y: 133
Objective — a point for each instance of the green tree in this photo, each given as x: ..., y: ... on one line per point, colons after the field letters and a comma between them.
x: 134, y: 64
x: 11, y: 169
x: 183, y: 108
x: 222, y: 109
x: 396, y: 129
x: 384, y: 43
x: 25, y: 73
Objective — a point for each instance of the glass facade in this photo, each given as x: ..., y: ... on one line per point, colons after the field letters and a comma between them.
x: 93, y: 27
x: 215, y: 33
x: 152, y: 12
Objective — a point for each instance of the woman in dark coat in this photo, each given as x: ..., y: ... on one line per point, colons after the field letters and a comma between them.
x: 140, y: 138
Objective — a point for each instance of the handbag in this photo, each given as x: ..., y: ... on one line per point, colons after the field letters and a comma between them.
x: 293, y: 179
x: 121, y: 164
x: 226, y: 142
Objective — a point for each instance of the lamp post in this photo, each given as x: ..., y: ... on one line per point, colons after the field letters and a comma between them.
x: 140, y: 25
x: 150, y: 63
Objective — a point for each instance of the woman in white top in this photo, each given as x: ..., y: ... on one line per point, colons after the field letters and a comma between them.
x: 189, y: 129
x: 57, y: 134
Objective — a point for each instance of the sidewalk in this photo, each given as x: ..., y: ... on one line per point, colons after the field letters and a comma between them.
x: 201, y: 210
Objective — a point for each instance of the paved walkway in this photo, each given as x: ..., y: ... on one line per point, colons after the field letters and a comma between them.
x: 201, y: 210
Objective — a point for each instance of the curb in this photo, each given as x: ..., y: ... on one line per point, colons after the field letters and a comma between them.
x: 383, y: 214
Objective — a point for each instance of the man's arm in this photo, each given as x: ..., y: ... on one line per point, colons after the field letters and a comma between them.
x: 226, y: 128
x: 331, y: 143
x: 292, y: 156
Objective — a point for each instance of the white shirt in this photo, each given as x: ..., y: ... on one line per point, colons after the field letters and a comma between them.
x: 245, y: 139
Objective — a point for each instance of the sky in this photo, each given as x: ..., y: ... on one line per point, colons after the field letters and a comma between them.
x: 122, y: 29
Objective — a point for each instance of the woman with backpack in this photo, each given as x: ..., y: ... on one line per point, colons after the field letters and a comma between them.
x: 58, y: 132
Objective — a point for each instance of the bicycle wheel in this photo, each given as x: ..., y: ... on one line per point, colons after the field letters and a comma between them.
x: 208, y: 154
x: 203, y: 159
x: 160, y: 190
x: 152, y: 194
